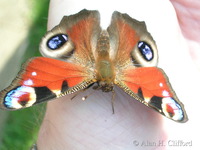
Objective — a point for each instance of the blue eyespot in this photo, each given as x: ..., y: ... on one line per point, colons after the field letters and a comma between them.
x: 145, y: 50
x: 57, y: 41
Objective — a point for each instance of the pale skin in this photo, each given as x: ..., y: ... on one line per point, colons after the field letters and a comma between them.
x: 90, y: 124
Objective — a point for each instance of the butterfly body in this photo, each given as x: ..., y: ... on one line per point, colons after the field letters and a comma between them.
x: 104, y: 65
x: 78, y: 53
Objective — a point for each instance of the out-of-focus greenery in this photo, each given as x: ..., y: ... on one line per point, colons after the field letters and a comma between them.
x: 39, y: 27
x: 21, y: 127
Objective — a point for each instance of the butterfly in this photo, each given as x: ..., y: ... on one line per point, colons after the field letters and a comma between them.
x: 78, y: 53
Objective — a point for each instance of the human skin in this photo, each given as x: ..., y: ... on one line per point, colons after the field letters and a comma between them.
x: 90, y: 124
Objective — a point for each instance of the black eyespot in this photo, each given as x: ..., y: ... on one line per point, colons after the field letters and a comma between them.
x: 57, y: 41
x: 145, y: 50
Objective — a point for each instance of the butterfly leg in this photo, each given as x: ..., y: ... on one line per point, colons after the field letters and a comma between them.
x: 113, y: 100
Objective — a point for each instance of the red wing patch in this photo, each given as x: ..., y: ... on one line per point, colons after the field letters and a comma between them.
x: 51, y: 73
x: 150, y: 86
x: 42, y: 79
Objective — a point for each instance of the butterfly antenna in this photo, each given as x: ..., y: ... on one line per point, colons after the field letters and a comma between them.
x: 77, y: 93
x: 85, y: 97
x: 74, y: 96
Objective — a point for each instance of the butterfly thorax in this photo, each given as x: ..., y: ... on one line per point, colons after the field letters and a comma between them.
x: 105, y: 71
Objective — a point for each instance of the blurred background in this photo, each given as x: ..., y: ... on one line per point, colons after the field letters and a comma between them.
x: 22, y: 24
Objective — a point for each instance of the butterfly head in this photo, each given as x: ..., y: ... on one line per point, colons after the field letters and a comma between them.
x: 105, y: 86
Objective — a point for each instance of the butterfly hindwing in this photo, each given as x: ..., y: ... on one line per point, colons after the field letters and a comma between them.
x: 125, y: 33
x: 81, y: 32
x: 151, y: 86
x: 42, y: 79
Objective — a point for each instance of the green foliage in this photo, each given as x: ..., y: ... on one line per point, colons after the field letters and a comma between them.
x: 38, y: 29
x: 21, y: 128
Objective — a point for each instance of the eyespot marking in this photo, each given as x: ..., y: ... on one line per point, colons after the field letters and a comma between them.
x: 22, y: 96
x: 146, y: 50
x: 57, y: 41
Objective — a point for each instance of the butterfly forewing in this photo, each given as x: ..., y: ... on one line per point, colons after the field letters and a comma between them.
x: 151, y: 86
x: 42, y: 79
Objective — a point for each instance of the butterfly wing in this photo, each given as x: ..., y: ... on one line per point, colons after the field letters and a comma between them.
x: 72, y: 42
x: 81, y: 32
x: 42, y: 79
x: 151, y: 86
x: 135, y: 58
x: 125, y: 33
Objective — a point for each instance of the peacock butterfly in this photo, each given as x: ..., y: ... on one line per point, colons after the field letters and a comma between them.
x: 78, y: 53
